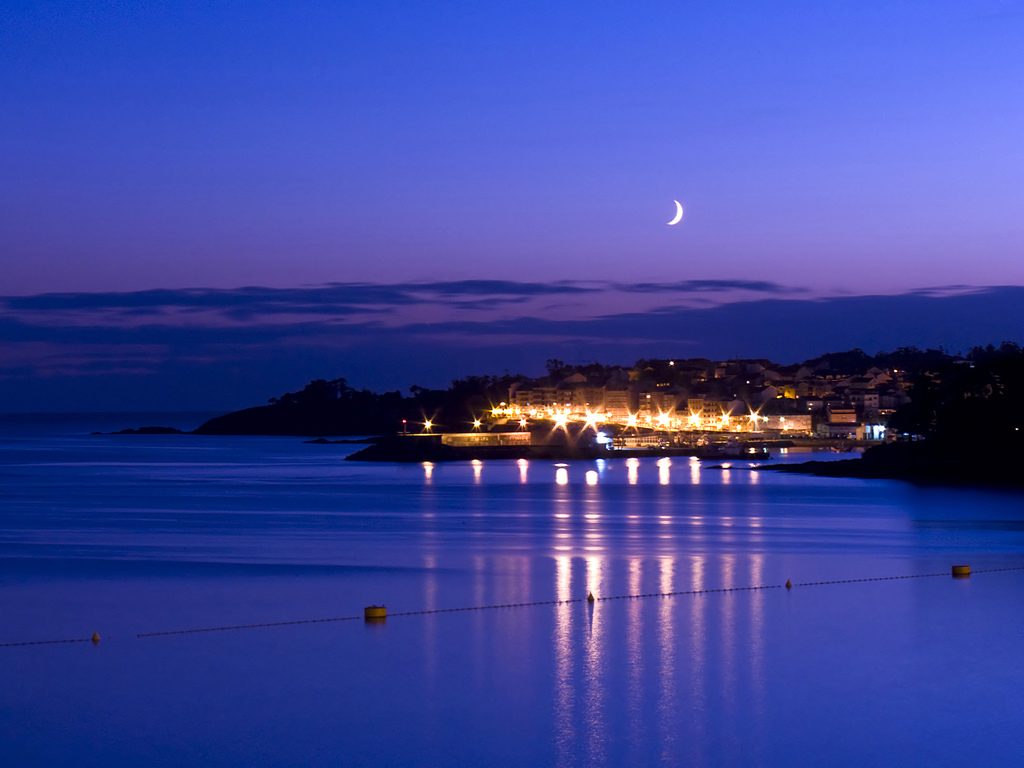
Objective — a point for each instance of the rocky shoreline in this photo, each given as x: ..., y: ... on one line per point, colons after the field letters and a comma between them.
x: 922, y: 463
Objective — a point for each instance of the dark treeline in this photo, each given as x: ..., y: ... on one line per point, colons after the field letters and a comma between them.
x: 335, y: 408
x: 978, y: 397
x: 968, y: 410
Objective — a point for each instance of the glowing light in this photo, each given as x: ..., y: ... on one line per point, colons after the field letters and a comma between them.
x: 561, y: 476
x: 478, y: 468
x: 476, y: 423
x: 631, y: 420
x: 428, y: 470
x: 522, y: 423
x: 664, y: 465
x: 428, y: 425
x: 694, y: 420
x: 663, y: 419
x: 561, y: 420
x: 591, y: 477
x: 632, y: 467
x: 523, y: 467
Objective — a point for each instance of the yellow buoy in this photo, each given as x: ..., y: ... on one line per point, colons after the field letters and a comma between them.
x: 590, y: 597
x: 789, y: 584
x: 959, y: 571
x: 95, y: 638
x: 375, y: 613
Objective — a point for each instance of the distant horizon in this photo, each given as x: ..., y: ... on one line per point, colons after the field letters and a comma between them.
x: 205, y: 351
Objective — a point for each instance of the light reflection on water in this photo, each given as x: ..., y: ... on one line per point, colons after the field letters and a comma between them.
x: 122, y: 539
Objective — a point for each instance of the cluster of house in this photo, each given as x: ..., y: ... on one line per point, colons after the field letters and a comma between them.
x: 707, y: 396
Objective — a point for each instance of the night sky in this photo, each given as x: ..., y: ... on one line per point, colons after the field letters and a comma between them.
x: 205, y: 204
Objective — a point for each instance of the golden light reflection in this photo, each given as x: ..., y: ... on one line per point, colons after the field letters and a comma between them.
x: 524, y: 467
x: 698, y: 636
x: 728, y: 641
x: 664, y: 469
x: 694, y: 471
x: 478, y: 468
x: 757, y: 631
x: 428, y: 471
x: 634, y: 649
x: 594, y: 676
x: 565, y: 698
x: 667, y: 727
x: 430, y: 620
x: 632, y: 471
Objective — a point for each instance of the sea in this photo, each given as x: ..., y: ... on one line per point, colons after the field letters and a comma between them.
x: 226, y: 580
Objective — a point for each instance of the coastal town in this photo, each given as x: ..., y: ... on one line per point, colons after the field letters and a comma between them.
x: 659, y: 403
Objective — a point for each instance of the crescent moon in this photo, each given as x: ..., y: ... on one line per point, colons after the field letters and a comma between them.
x: 679, y: 214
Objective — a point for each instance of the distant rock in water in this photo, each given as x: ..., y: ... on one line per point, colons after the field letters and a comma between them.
x: 357, y: 441
x: 146, y: 431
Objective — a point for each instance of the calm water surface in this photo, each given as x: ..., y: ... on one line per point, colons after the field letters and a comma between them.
x: 129, y: 535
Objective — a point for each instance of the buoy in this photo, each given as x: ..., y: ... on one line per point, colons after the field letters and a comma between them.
x: 590, y: 597
x: 95, y: 638
x: 789, y: 584
x: 375, y: 613
x: 959, y: 571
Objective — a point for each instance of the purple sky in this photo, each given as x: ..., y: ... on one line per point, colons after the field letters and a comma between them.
x: 831, y: 149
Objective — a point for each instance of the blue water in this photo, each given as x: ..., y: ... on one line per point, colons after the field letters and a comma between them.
x: 129, y: 535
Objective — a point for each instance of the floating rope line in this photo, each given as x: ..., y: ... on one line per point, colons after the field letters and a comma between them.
x: 999, y: 570
x: 871, y: 578
x: 48, y: 642
x: 262, y: 625
x: 530, y: 604
x: 897, y: 578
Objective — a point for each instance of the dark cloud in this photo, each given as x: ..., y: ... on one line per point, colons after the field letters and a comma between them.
x: 151, y: 363
x: 352, y: 298
x: 336, y: 298
x: 708, y: 286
